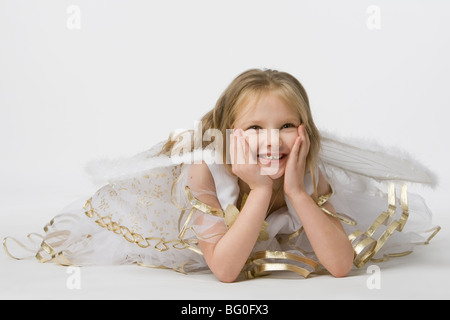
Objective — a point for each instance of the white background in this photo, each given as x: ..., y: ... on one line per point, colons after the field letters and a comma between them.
x: 136, y: 70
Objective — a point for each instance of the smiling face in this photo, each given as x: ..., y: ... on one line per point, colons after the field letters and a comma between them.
x: 271, y: 126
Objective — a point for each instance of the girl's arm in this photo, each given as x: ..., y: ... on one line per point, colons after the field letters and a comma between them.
x: 227, y: 257
x: 325, y: 233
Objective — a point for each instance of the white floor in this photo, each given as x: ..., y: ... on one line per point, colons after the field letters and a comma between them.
x: 422, y: 275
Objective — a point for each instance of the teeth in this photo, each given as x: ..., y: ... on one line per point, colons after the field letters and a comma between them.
x: 270, y: 157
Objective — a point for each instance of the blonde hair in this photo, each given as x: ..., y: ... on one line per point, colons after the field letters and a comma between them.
x: 249, y: 84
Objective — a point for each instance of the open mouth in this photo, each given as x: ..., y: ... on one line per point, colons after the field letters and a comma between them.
x: 271, y: 158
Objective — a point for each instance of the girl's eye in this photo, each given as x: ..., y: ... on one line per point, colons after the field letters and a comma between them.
x: 288, y: 125
x: 254, y: 128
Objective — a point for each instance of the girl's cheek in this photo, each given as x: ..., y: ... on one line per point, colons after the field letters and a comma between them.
x: 288, y: 139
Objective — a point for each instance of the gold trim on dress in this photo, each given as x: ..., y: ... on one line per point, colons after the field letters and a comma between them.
x: 342, y: 217
x: 203, y: 206
x: 230, y: 215
x: 157, y: 243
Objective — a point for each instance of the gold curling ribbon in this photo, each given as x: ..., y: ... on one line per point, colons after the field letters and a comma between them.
x: 257, y: 266
x: 365, y: 246
x: 5, y: 246
x: 342, y: 217
x: 434, y: 231
x: 52, y: 240
x: 46, y: 251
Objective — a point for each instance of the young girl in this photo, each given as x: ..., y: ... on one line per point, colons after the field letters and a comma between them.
x: 276, y: 195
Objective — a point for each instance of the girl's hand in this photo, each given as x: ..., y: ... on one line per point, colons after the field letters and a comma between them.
x: 244, y: 162
x: 294, y: 175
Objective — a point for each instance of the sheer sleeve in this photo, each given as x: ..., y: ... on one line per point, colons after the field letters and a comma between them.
x: 207, y: 223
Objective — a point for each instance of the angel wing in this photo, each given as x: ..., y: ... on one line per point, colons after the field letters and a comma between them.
x: 374, y: 161
x: 110, y: 170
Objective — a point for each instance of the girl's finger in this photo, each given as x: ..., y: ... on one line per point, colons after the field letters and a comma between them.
x: 304, y: 148
x: 251, y: 147
x: 240, y: 148
x: 233, y: 148
x: 245, y: 149
x: 303, y: 133
x: 295, y: 149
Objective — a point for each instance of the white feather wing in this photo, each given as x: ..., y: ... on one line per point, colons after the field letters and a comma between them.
x: 373, y: 161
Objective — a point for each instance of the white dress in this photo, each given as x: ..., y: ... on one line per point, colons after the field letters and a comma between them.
x: 147, y: 214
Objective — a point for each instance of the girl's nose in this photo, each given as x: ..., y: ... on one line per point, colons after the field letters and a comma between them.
x: 270, y: 138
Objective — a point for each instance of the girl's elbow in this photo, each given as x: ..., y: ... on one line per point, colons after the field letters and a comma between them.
x: 342, y: 270
x: 340, y: 273
x: 226, y: 277
x: 344, y: 264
